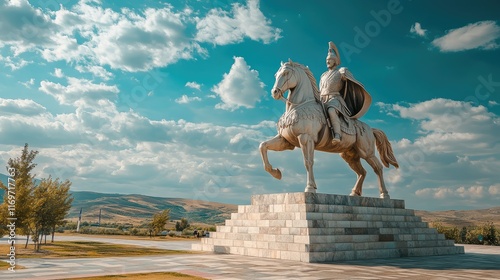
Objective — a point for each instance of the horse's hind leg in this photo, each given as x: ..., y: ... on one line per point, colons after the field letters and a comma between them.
x: 352, y: 158
x: 278, y: 143
x: 378, y: 169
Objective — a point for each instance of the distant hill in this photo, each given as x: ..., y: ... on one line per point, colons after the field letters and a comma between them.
x: 135, y: 208
x: 461, y: 218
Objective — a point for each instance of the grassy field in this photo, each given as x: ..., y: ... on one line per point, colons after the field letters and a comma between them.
x: 128, y: 237
x: 85, y: 249
x: 145, y: 276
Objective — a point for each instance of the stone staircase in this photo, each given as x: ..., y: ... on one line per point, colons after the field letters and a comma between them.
x: 315, y: 227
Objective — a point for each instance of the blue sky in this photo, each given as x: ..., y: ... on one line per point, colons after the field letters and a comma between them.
x: 173, y: 98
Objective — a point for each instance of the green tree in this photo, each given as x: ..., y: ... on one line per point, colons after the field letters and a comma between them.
x: 50, y: 205
x: 40, y: 212
x: 159, y: 221
x: 183, y: 224
x: 59, y: 203
x: 20, y: 168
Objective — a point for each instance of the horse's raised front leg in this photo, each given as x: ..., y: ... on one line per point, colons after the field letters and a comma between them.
x: 307, y: 145
x: 278, y: 143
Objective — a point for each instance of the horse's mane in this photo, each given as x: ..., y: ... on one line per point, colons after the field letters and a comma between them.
x: 310, y: 76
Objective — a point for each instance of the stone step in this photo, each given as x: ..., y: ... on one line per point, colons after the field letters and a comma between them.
x: 330, y: 247
x: 336, y: 235
x: 380, y: 253
x: 322, y: 208
x: 381, y: 230
x: 326, y: 257
x: 254, y: 225
x: 321, y: 198
x: 264, y: 241
x: 266, y: 216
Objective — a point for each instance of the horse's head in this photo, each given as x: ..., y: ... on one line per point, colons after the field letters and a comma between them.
x: 285, y: 80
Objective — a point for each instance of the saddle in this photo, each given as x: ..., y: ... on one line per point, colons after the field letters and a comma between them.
x: 347, y: 125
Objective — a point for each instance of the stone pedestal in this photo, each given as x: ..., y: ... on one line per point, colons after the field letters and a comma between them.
x: 316, y: 227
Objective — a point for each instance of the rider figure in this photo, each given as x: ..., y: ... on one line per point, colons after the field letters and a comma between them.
x: 341, y: 93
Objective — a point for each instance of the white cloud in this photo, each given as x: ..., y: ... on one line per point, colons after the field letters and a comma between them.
x: 97, y: 71
x: 100, y: 148
x: 241, y: 87
x: 394, y: 176
x: 25, y: 121
x: 25, y: 107
x: 24, y: 27
x: 79, y: 92
x: 14, y: 63
x: 474, y: 192
x: 193, y: 85
x: 221, y: 28
x: 185, y: 99
x: 417, y: 29
x: 494, y: 190
x: 479, y: 35
x: 58, y: 73
x: 448, y: 118
x: 450, y: 126
x: 130, y: 40
x: 462, y: 159
x: 123, y: 40
x: 155, y: 38
x: 455, y: 154
x: 28, y: 83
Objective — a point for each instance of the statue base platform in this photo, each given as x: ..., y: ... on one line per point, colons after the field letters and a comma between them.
x: 319, y: 228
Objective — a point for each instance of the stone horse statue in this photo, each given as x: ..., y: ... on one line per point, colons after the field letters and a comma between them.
x: 304, y: 125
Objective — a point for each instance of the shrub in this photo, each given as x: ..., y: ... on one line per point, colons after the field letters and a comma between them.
x: 451, y: 233
x: 70, y: 226
x: 134, y: 232
x: 484, y: 234
x: 212, y: 228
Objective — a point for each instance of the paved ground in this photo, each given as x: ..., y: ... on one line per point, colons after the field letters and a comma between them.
x: 479, y: 262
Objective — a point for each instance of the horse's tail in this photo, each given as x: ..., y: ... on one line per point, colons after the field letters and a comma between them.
x: 384, y: 148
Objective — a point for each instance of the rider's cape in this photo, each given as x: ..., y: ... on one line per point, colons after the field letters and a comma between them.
x: 356, y: 98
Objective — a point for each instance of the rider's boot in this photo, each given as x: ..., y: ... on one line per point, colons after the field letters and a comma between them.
x: 334, y: 118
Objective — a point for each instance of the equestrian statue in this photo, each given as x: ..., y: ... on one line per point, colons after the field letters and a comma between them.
x: 326, y: 119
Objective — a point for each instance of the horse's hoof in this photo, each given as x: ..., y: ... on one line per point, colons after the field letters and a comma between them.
x: 310, y: 189
x: 276, y: 174
x: 354, y: 194
x: 385, y: 196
